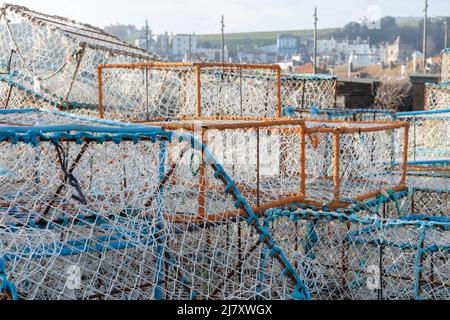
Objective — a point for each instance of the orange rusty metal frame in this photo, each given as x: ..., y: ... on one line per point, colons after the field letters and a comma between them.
x: 337, y: 132
x: 203, y: 129
x: 197, y: 68
x: 303, y: 132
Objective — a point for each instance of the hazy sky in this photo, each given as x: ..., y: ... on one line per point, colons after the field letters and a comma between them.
x: 203, y: 16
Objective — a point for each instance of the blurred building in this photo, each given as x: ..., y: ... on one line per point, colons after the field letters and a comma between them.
x: 287, y: 45
x: 184, y: 44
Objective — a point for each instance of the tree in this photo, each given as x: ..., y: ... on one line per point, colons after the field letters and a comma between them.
x: 394, y: 94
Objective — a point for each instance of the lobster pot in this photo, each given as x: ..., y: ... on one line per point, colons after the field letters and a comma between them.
x: 342, y: 256
x: 350, y: 161
x: 304, y: 91
x: 114, y: 212
x: 430, y: 135
x: 437, y: 96
x: 445, y: 68
x: 155, y: 91
x: 57, y: 58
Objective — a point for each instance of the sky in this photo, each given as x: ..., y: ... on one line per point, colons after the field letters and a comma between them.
x: 203, y: 16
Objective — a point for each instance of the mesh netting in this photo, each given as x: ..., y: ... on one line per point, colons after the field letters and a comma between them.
x: 58, y: 58
x: 262, y: 156
x: 13, y: 95
x: 275, y: 162
x: 161, y: 90
x: 348, y: 161
x: 437, y: 96
x: 430, y: 135
x: 445, y: 69
x: 342, y: 256
x: 119, y: 213
x: 430, y: 187
x: 146, y: 92
x: 306, y: 91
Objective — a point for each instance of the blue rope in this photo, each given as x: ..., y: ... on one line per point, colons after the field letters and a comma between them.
x: 159, y: 275
x: 6, y: 286
x: 419, y: 266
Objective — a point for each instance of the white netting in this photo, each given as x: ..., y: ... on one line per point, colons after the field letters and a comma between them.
x: 306, y: 91
x: 445, y: 69
x: 341, y: 256
x: 350, y: 161
x: 430, y: 136
x: 265, y: 159
x: 177, y: 90
x: 262, y: 157
x: 58, y: 58
x: 116, y: 213
x: 15, y: 96
x: 429, y: 131
x: 437, y: 96
x: 430, y: 187
x: 146, y: 92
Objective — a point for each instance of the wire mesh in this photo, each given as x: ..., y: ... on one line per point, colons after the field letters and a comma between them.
x: 58, y: 58
x: 92, y: 212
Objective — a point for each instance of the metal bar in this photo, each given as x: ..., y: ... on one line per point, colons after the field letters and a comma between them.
x: 279, y: 106
x: 336, y: 165
x: 8, y: 97
x: 405, y: 156
x: 101, y: 109
x: 202, y: 178
x: 199, y: 90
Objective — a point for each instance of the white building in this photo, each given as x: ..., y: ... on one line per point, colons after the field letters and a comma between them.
x: 210, y: 55
x: 256, y: 56
x: 142, y: 43
x: 287, y: 44
x: 184, y: 44
x: 326, y: 46
x: 359, y: 49
x: 355, y: 47
x: 164, y: 43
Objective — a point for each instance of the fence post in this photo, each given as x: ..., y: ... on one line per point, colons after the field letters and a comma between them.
x: 101, y: 110
x: 202, y: 179
x: 199, y: 91
x: 303, y: 160
x: 336, y: 164
x: 405, y: 156
x: 279, y: 108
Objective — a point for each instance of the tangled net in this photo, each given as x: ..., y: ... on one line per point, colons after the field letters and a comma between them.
x: 56, y: 58
x: 121, y: 208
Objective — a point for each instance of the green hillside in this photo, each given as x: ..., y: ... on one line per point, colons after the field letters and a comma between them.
x: 256, y: 38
